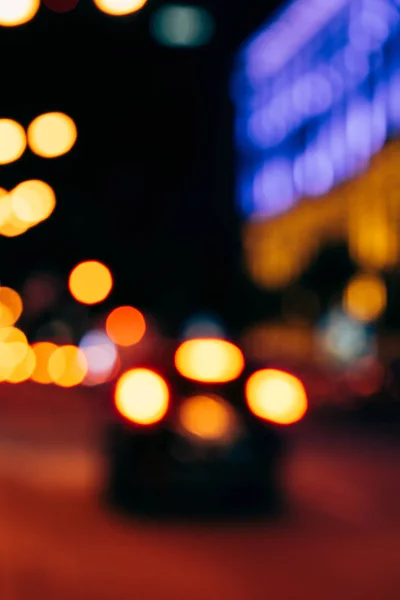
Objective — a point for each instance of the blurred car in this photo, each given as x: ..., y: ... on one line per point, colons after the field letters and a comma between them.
x: 186, y: 440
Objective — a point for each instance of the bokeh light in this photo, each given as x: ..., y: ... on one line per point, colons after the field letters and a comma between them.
x: 12, y: 355
x: 12, y: 137
x: 33, y: 201
x: 276, y: 396
x: 52, y: 135
x: 12, y: 334
x: 365, y: 298
x: 208, y: 418
x: 25, y: 366
x: 342, y: 339
x: 209, y: 360
x: 90, y: 282
x: 17, y: 12
x: 178, y: 25
x: 43, y: 351
x: 142, y: 396
x: 365, y: 377
x: 60, y: 6
x: 119, y: 8
x: 125, y: 326
x: 10, y: 224
x: 67, y: 366
x: 13, y: 350
x: 10, y: 306
x: 101, y: 355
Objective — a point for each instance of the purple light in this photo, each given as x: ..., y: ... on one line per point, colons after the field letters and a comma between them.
x: 394, y: 100
x: 294, y: 27
x: 313, y: 173
x: 273, y: 188
x: 312, y: 94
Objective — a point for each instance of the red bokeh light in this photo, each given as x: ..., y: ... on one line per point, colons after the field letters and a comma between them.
x: 60, y: 6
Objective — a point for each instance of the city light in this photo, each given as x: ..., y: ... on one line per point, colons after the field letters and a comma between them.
x: 10, y: 224
x: 43, y: 351
x: 33, y: 201
x: 90, y: 282
x: 365, y: 297
x: 51, y: 135
x: 209, y: 360
x: 142, y: 396
x: 125, y: 326
x: 276, y: 396
x: 119, y: 8
x: 101, y: 355
x: 180, y: 25
x: 17, y: 12
x: 208, y: 418
x: 67, y: 366
x: 12, y: 141
x: 301, y: 130
x: 10, y: 306
x: 24, y: 368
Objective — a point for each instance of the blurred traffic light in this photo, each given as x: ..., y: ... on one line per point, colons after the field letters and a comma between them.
x: 142, y: 396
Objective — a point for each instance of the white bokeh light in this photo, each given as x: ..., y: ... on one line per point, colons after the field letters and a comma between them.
x: 101, y: 355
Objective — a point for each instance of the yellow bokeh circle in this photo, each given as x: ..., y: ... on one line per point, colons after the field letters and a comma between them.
x: 90, y: 282
x: 12, y: 140
x: 33, y: 201
x: 52, y: 135
x: 119, y: 8
x: 17, y: 12
x: 276, y: 396
x: 142, y: 396
x: 67, y: 366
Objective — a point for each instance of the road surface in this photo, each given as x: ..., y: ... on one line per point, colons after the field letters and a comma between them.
x: 341, y: 539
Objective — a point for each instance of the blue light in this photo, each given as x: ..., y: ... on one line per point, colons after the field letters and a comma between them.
x: 317, y: 94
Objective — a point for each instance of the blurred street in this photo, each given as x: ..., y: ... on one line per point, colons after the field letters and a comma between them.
x: 340, y: 539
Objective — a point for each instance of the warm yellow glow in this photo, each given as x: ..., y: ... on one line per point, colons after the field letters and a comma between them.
x: 17, y: 12
x: 10, y: 306
x: 33, y: 201
x: 24, y: 368
x: 13, y: 350
x: 67, y: 366
x: 12, y: 353
x: 12, y: 137
x: 43, y: 351
x: 276, y: 396
x: 365, y: 297
x: 142, y: 396
x: 125, y: 326
x: 12, y: 334
x: 209, y: 360
x: 209, y: 418
x: 10, y: 224
x: 119, y: 7
x: 52, y: 134
x: 90, y: 282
